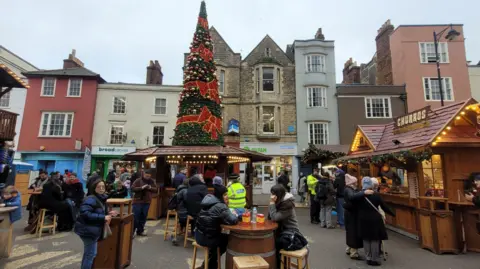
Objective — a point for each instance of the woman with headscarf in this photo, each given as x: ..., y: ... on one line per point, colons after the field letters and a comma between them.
x: 352, y: 195
x: 371, y: 224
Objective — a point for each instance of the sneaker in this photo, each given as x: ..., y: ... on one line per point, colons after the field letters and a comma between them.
x: 144, y: 233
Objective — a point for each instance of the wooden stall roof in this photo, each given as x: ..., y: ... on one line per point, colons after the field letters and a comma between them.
x: 141, y: 154
x: 8, y: 78
x: 382, y: 136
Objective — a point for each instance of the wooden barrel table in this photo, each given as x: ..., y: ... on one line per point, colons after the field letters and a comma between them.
x: 6, y: 231
x: 249, y: 240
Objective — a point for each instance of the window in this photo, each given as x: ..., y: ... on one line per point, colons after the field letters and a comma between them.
x: 315, y: 63
x: 433, y: 176
x: 74, y: 87
x: 221, y: 87
x: 378, y: 107
x: 268, y: 119
x: 427, y: 52
x: 116, y: 135
x: 119, y: 105
x: 279, y: 82
x: 56, y: 124
x: 316, y: 97
x: 318, y: 133
x: 160, y: 106
x: 5, y: 100
x: 158, y: 135
x: 257, y: 75
x: 432, y: 89
x: 268, y: 52
x: 268, y: 79
x: 48, y: 87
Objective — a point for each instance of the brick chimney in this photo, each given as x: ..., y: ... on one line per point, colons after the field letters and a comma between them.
x: 154, y: 73
x: 319, y: 35
x: 384, y: 55
x: 72, y: 61
x: 351, y: 72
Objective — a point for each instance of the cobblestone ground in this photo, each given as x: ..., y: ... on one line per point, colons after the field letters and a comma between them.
x: 64, y: 250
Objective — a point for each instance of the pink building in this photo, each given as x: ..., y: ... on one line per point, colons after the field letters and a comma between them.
x: 413, y: 63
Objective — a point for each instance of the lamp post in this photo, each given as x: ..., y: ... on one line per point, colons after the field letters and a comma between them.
x: 451, y: 35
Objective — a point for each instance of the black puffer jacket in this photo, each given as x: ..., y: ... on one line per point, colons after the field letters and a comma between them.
x: 181, y: 202
x: 195, y: 195
x: 213, y: 214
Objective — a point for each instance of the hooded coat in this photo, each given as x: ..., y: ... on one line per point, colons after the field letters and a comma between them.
x: 195, y: 194
x: 339, y: 183
x: 330, y: 200
x: 283, y: 213
x: 73, y: 189
x: 213, y: 214
x: 91, y: 219
x: 181, y: 203
x: 17, y: 213
x: 370, y: 221
x: 352, y: 196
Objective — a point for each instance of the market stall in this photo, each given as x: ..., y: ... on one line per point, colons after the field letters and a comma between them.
x: 422, y: 161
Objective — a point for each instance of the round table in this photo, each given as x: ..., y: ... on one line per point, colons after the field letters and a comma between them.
x: 250, y: 240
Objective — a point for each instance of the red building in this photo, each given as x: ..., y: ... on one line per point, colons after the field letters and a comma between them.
x: 58, y: 117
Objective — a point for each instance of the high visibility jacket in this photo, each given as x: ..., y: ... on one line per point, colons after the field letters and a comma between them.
x: 312, y: 183
x: 237, y: 196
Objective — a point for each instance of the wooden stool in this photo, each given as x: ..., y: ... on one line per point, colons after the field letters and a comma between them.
x: 205, y: 254
x: 300, y: 255
x: 175, y: 230
x: 41, y: 220
x: 249, y: 262
x: 187, y: 229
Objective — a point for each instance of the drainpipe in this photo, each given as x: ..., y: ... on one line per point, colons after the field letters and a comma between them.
x: 403, y: 97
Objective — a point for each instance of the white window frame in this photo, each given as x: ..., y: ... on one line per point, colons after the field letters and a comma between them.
x: 153, y: 134
x: 443, y: 54
x: 273, y: 79
x: 309, y: 66
x: 444, y: 87
x: 221, y: 86
x: 274, y: 120
x: 50, y: 113
x: 326, y: 135
x: 322, y: 96
x: 115, y: 125
x: 155, y: 106
x: 370, y: 98
x: 43, y: 86
x: 6, y: 98
x: 113, y: 105
x: 80, y: 90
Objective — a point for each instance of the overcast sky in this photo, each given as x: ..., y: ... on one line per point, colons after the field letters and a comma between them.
x: 117, y: 38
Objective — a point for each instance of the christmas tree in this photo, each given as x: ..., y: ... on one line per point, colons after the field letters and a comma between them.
x: 199, y: 118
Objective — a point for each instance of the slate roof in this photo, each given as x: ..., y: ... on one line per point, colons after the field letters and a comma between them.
x: 373, y: 133
x: 67, y: 72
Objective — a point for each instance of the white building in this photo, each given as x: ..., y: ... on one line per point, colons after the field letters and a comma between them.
x: 14, y: 101
x: 130, y: 117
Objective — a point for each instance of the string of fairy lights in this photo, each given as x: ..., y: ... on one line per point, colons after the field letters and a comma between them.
x: 470, y: 108
x: 198, y: 159
x: 12, y: 74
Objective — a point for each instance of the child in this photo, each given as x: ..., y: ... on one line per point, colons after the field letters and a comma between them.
x: 12, y: 198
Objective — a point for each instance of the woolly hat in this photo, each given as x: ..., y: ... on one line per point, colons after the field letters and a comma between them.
x: 217, y: 181
x: 367, y: 183
x: 219, y: 191
x: 350, y: 180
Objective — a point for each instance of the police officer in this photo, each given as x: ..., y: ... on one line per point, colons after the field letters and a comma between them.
x: 312, y: 181
x: 236, y: 194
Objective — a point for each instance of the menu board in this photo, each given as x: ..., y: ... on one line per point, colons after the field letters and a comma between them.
x: 412, y: 184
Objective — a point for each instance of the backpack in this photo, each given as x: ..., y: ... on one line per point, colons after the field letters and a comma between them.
x: 322, y: 191
x: 291, y: 241
x: 173, y: 202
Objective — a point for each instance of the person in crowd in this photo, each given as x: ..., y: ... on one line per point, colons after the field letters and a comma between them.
x: 237, y: 194
x: 32, y: 206
x: 339, y: 185
x: 352, y: 195
x: 302, y: 183
x: 209, y: 174
x: 11, y: 197
x: 110, y: 177
x: 312, y: 181
x: 181, y: 209
x: 325, y: 196
x: 214, y: 212
x: 91, y: 221
x: 52, y: 199
x: 282, y: 211
x: 125, y: 175
x: 217, y: 180
x: 143, y: 189
x: 39, y: 181
x: 118, y: 190
x: 90, y: 180
x: 473, y: 195
x: 371, y: 223
x: 179, y: 178
x: 284, y: 180
x: 196, y: 192
x: 72, y: 188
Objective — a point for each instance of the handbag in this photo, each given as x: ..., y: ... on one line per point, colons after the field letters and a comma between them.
x: 292, y: 240
x: 106, y: 231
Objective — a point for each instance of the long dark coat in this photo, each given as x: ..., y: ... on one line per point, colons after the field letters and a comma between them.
x: 51, y: 198
x: 371, y: 225
x: 351, y: 217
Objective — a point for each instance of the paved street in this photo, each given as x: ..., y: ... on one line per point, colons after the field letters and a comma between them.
x: 64, y: 250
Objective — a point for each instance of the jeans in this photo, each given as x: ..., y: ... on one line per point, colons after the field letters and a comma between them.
x: 89, y: 252
x: 326, y: 215
x: 314, y: 208
x: 340, y: 213
x: 140, y: 212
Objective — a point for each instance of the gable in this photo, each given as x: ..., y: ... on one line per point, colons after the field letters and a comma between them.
x: 361, y: 143
x: 222, y: 52
x: 258, y: 54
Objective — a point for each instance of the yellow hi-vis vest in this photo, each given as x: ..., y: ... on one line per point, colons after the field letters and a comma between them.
x: 237, y: 196
x: 312, y: 183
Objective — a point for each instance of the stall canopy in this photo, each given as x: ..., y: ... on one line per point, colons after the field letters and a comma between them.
x: 9, y: 79
x: 457, y: 124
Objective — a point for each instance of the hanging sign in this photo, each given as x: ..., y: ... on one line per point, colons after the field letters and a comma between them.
x: 412, y: 121
x: 233, y: 126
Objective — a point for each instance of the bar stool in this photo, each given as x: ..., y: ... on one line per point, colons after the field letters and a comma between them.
x: 174, y: 231
x: 300, y: 255
x: 205, y: 254
x: 41, y: 225
x: 249, y: 262
x: 188, y: 228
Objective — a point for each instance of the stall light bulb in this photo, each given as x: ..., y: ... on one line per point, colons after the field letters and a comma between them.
x: 449, y: 128
x: 463, y: 113
x: 434, y: 143
x: 444, y: 133
x: 458, y: 117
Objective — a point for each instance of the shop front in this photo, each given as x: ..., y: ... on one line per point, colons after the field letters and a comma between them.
x: 106, y: 158
x: 265, y: 174
x: 423, y: 161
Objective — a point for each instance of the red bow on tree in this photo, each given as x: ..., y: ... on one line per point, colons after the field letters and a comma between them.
x: 212, y: 125
x: 210, y: 88
x: 204, y: 52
